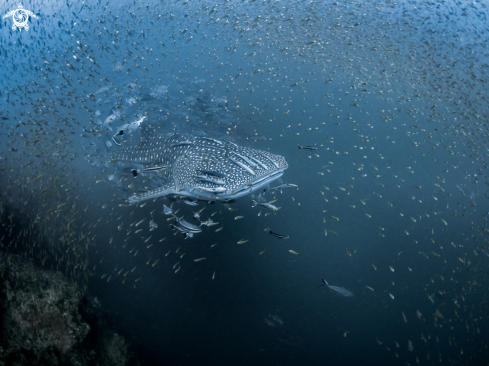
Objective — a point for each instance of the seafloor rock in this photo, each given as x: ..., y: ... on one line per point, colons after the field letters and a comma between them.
x: 45, y: 320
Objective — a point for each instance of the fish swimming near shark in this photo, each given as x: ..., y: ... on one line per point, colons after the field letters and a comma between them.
x: 198, y: 167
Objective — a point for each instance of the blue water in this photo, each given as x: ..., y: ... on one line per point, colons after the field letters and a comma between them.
x: 393, y: 95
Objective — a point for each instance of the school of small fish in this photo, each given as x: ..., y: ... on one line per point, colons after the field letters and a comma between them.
x: 378, y: 108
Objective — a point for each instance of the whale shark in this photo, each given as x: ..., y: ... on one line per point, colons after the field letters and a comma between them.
x: 198, y: 167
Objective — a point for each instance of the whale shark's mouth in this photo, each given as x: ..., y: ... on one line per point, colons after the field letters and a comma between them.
x: 257, y: 184
x: 221, y: 193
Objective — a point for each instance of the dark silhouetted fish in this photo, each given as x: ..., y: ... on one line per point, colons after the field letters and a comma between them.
x: 337, y: 290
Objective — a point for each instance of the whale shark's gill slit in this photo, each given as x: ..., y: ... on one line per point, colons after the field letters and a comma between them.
x: 245, y: 167
x: 253, y: 164
x: 259, y: 162
x: 271, y: 160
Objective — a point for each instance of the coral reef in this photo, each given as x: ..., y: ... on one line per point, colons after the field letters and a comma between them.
x: 45, y: 320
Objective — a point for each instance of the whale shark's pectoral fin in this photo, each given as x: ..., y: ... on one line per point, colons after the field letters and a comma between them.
x: 162, y: 191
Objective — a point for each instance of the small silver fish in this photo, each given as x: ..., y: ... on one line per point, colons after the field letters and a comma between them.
x: 190, y: 203
x: 264, y: 204
x: 135, y: 172
x: 167, y: 210
x: 282, y: 186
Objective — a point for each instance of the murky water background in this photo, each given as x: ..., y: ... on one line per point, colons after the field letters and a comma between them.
x: 391, y: 206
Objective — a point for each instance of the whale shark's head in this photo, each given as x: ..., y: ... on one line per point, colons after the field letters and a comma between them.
x: 224, y: 174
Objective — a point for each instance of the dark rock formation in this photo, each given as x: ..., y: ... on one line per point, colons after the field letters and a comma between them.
x: 45, y: 320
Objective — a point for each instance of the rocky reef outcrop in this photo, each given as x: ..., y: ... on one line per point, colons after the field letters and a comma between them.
x: 45, y: 320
